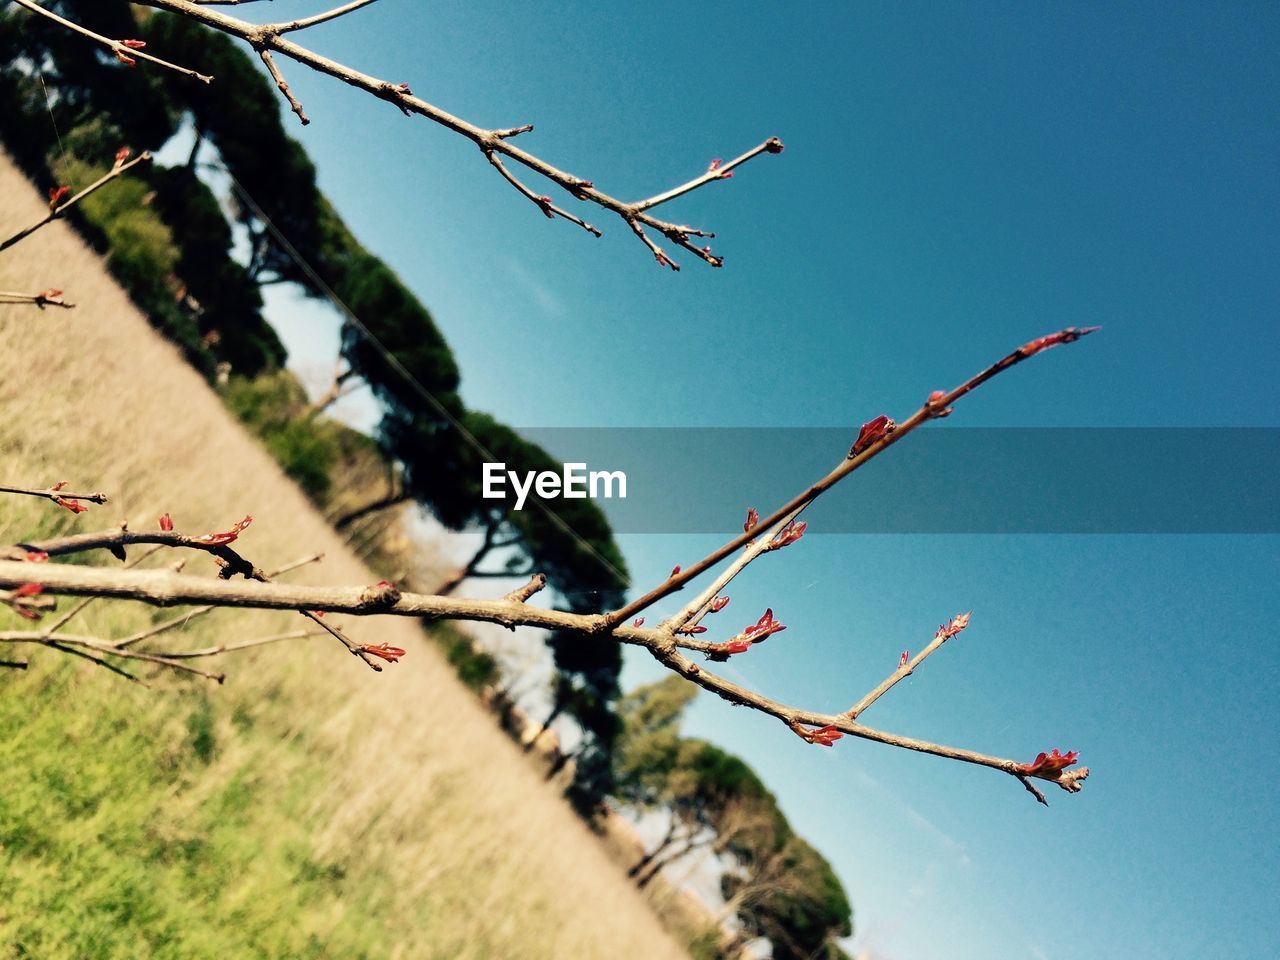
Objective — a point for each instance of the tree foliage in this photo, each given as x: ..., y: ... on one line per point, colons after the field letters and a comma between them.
x: 778, y: 886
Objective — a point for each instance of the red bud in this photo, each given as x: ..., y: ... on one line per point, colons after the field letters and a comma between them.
x: 385, y: 651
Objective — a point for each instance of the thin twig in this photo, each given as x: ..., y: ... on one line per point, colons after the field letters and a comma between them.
x: 719, y: 171
x: 311, y: 21
x: 294, y: 104
x: 522, y: 594
x: 185, y: 618
x: 903, y: 671
x: 47, y: 298
x: 67, y: 643
x: 244, y: 645
x: 125, y: 51
x: 542, y: 203
x: 692, y: 612
x: 54, y: 494
x: 116, y: 170
x: 66, y: 618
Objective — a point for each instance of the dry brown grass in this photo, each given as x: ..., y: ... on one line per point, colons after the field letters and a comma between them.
x: 449, y: 845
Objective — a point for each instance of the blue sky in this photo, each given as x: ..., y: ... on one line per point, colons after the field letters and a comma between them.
x: 957, y: 180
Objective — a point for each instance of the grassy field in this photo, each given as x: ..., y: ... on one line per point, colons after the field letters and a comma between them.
x: 308, y: 808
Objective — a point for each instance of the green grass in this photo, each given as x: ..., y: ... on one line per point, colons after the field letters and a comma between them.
x: 172, y: 824
x: 308, y: 807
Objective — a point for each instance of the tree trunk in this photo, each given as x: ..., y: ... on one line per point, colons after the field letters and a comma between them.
x: 657, y: 867
x: 390, y: 500
x: 556, y: 710
x: 330, y: 396
x: 452, y: 582
x: 472, y: 567
x: 195, y: 148
x: 649, y: 857
x: 561, y: 761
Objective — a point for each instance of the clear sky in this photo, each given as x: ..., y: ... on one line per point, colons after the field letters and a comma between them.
x: 958, y: 178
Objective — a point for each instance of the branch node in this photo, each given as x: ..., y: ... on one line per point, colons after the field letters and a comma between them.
x: 522, y: 594
x: 513, y: 131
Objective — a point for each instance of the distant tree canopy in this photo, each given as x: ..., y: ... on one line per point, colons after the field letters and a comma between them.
x: 800, y: 907
x: 775, y: 883
x: 66, y: 106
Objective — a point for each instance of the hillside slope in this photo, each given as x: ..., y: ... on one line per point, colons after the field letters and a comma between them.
x: 308, y: 808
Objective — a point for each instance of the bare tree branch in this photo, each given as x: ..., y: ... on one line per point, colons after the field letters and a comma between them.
x: 29, y: 581
x: 270, y: 38
x: 938, y: 405
x: 165, y: 588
